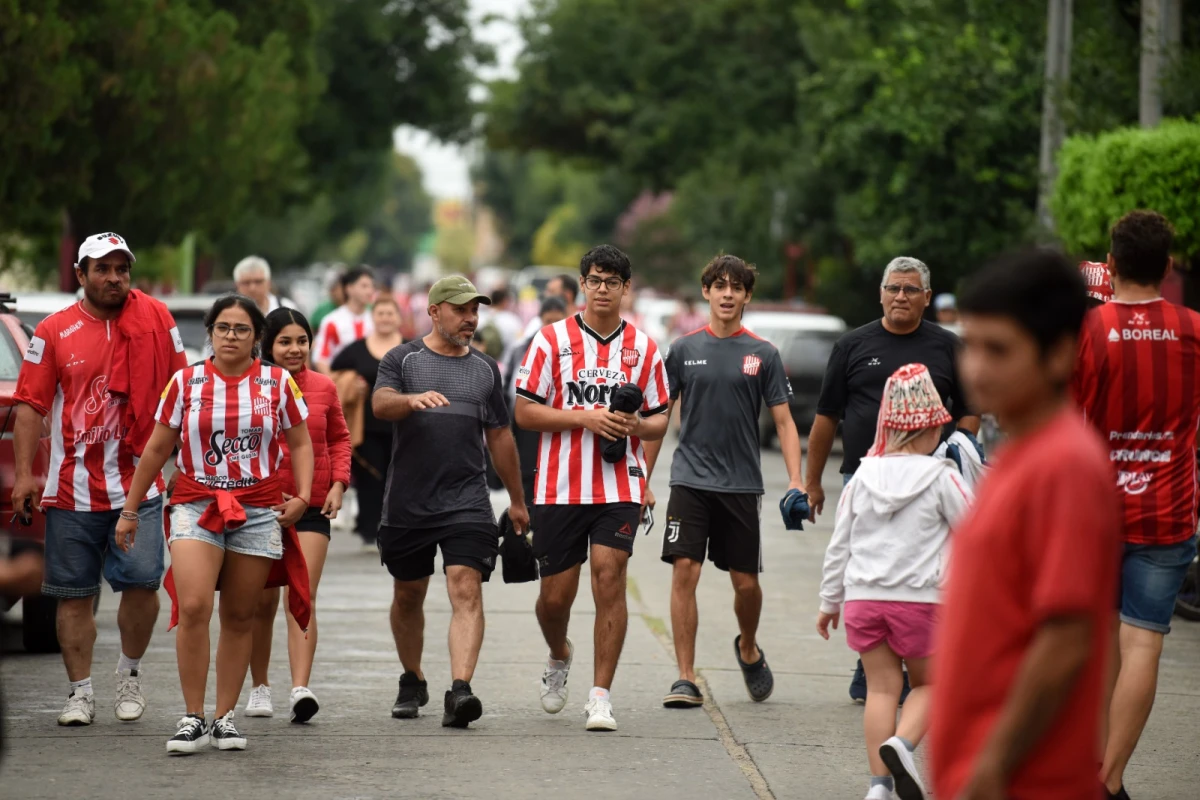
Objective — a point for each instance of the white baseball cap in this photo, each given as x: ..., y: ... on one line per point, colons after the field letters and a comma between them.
x: 945, y: 302
x: 101, y: 244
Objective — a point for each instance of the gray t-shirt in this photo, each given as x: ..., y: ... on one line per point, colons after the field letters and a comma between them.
x: 724, y: 383
x: 437, y: 474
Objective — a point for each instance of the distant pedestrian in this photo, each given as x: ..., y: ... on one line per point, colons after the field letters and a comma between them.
x: 563, y: 286
x: 335, y: 297
x: 252, y: 278
x: 348, y: 322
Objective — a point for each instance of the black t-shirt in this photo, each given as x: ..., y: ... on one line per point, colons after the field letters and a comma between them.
x: 859, y: 366
x: 357, y: 357
x: 438, y: 471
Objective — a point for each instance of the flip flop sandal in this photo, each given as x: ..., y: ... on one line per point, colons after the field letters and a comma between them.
x: 759, y: 680
x: 683, y: 694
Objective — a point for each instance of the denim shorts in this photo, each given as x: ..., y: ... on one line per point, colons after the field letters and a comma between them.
x: 260, y: 536
x: 80, y: 547
x: 1151, y: 577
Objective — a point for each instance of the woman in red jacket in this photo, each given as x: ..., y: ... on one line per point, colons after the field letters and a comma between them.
x: 286, y: 341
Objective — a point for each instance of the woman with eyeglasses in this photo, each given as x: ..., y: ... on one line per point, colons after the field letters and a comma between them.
x: 228, y: 513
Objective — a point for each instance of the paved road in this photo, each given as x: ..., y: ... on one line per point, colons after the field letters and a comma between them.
x: 805, y: 742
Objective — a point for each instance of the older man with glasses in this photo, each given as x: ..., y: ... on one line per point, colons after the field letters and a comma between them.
x: 861, y: 362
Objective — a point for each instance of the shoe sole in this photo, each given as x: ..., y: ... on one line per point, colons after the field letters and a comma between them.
x: 187, y: 748
x: 858, y: 702
x: 75, y: 722
x: 305, y: 709
x: 466, y: 712
x: 130, y: 717
x: 682, y: 701
x: 602, y: 726
x: 907, y: 787
x: 405, y: 713
x: 229, y: 744
x: 258, y: 712
x: 550, y: 710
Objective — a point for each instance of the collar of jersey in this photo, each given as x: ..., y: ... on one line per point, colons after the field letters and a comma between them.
x: 601, y: 339
x: 210, y: 364
x: 740, y: 331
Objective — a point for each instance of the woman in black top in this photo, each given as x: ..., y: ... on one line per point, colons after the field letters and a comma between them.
x: 372, y: 455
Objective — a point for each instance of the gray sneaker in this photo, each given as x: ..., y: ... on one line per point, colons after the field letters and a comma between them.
x: 79, y: 710
x: 130, y: 703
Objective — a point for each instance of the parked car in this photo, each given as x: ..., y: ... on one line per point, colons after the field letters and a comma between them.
x: 805, y: 340
x: 37, y: 612
x: 188, y: 311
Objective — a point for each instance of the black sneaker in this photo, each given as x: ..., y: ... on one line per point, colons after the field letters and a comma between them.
x: 462, y: 707
x: 224, y: 736
x: 1120, y: 794
x: 858, y: 685
x: 414, y: 693
x: 191, y: 734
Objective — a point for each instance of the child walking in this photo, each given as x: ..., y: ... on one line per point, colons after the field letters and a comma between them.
x: 886, y: 562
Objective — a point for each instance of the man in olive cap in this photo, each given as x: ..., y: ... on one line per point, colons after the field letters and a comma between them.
x: 444, y: 397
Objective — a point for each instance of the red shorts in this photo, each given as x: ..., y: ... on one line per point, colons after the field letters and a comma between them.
x: 907, y: 628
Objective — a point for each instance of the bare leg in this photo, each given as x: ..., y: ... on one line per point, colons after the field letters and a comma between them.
x: 77, y: 635
x: 914, y: 718
x: 612, y: 614
x: 685, y: 617
x: 885, y: 681
x: 1132, y: 700
x: 555, y: 598
x: 196, y: 566
x: 264, y: 632
x: 747, y: 606
x: 408, y: 623
x: 465, y: 587
x: 242, y: 581
x: 302, y: 649
x: 135, y: 620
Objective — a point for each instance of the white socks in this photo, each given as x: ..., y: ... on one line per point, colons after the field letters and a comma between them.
x: 596, y: 691
x: 83, y: 687
x: 127, y: 664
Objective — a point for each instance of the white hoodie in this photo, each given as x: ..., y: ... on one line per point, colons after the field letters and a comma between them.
x: 891, y: 539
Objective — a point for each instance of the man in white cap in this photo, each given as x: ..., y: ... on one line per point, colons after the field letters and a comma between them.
x: 79, y: 371
x: 252, y: 277
x: 946, y: 307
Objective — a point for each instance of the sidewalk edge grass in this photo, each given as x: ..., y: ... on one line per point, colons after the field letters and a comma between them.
x: 736, y: 750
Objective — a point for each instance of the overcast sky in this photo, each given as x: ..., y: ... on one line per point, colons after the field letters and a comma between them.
x: 444, y: 166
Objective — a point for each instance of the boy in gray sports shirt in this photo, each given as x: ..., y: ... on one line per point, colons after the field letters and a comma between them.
x: 722, y: 374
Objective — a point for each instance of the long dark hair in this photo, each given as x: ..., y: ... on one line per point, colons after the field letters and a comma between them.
x: 257, y: 321
x: 277, y: 320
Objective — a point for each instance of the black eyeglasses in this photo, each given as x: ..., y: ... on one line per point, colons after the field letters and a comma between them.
x: 909, y: 290
x: 593, y: 282
x: 225, y: 330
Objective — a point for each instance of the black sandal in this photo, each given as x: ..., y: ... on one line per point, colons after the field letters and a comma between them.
x: 683, y: 694
x: 759, y: 680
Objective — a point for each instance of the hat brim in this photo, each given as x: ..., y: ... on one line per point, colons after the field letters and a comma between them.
x: 466, y: 297
x: 101, y: 253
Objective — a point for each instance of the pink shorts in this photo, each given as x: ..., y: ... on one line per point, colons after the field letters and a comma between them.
x: 907, y: 628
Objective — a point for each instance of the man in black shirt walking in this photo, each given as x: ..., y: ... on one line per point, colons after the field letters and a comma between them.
x: 861, y: 362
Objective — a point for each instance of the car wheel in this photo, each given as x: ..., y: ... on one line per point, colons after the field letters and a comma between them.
x: 39, y: 633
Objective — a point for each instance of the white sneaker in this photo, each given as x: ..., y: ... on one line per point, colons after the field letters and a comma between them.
x: 79, y: 710
x: 554, y: 683
x: 130, y: 703
x: 903, y: 767
x: 879, y: 793
x: 259, y: 704
x: 304, y: 704
x: 599, y: 715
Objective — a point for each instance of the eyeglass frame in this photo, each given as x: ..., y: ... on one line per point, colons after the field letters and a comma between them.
x: 213, y: 332
x: 894, y: 289
x: 606, y: 282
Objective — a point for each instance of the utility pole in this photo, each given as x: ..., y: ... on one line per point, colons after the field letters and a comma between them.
x: 1154, y: 41
x: 1058, y: 78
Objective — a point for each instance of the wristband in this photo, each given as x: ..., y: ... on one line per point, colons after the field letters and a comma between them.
x: 130, y: 516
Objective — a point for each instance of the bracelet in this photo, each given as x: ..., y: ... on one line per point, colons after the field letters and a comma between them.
x: 130, y: 516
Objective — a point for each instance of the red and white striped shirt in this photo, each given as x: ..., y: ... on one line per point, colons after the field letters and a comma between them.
x: 65, y: 376
x: 570, y: 366
x: 231, y: 426
x: 339, y: 328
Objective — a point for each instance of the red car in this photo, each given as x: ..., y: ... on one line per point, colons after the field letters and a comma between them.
x: 38, y: 613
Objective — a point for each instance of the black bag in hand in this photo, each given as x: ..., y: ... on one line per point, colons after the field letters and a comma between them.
x: 517, y: 563
x: 628, y: 399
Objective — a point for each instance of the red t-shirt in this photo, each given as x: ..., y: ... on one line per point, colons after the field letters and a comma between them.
x: 1138, y: 382
x: 1042, y: 540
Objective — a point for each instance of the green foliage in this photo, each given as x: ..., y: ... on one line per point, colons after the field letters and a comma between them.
x: 1103, y: 177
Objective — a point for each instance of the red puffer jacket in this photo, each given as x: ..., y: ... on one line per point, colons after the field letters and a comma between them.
x: 329, y: 434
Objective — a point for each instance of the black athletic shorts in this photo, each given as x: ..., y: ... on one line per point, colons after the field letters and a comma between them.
x: 313, y: 521
x: 563, y: 533
x: 409, y: 553
x: 727, y: 524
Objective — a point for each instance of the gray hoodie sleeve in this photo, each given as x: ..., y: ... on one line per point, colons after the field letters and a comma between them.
x: 837, y: 554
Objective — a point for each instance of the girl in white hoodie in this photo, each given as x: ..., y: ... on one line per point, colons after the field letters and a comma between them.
x: 886, y: 562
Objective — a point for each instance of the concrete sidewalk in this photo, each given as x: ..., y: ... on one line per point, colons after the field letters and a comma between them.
x: 805, y: 742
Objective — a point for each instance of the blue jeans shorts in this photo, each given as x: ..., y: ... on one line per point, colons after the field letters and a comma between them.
x: 1151, y: 577
x: 80, y: 548
x: 260, y: 536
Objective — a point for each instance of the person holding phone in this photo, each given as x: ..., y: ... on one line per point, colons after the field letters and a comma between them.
x: 287, y: 341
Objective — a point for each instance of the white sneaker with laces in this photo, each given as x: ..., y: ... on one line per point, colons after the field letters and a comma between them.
x: 259, y: 704
x: 304, y: 704
x: 130, y: 703
x: 599, y: 715
x: 554, y: 683
x: 879, y: 793
x: 79, y: 710
x: 903, y: 766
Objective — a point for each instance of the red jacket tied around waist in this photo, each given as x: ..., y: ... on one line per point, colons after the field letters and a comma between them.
x: 227, y: 511
x: 329, y: 434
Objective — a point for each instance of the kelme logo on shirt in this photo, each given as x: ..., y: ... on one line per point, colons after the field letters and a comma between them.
x: 221, y: 448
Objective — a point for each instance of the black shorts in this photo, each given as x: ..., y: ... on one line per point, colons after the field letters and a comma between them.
x: 409, y: 553
x: 313, y: 521
x: 563, y: 533
x: 727, y: 524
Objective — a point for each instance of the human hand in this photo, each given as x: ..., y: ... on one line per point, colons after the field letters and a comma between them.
x: 418, y: 402
x: 606, y: 424
x: 290, y: 510
x: 518, y: 514
x: 25, y: 495
x: 816, y: 501
x: 824, y: 621
x: 126, y: 533
x: 333, y: 501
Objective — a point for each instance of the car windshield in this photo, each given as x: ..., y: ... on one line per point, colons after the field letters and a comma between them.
x: 191, y: 330
x: 10, y: 356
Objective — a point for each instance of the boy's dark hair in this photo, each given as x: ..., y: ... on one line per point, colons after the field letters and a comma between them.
x: 732, y: 268
x: 570, y: 286
x: 1141, y: 247
x: 351, y: 276
x: 608, y: 260
x: 1038, y: 289
x: 500, y: 296
x: 279, y: 319
x: 257, y: 320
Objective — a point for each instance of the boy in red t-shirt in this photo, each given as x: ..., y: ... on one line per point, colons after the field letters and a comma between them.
x: 1027, y: 607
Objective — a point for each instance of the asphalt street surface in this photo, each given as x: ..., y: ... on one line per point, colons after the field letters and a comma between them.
x: 804, y: 742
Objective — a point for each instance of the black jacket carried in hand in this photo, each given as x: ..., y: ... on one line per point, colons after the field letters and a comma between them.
x: 627, y: 399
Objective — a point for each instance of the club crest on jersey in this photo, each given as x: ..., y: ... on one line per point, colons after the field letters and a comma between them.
x: 630, y: 356
x: 262, y: 404
x: 751, y: 364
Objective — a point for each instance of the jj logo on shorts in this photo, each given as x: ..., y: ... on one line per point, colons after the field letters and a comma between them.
x: 673, y: 530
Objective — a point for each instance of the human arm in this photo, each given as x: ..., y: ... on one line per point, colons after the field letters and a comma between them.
x: 535, y: 416
x: 37, y: 386
x: 969, y: 424
x: 337, y: 442
x: 837, y: 555
x: 323, y: 346
x: 651, y: 449
x: 789, y: 443
x: 154, y: 457
x: 21, y: 575
x: 820, y: 444
x: 503, y: 449
x: 27, y: 430
x: 300, y: 451
x: 964, y: 418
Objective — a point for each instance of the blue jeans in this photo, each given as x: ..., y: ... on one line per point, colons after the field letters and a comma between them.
x: 80, y: 547
x: 261, y: 535
x: 1151, y: 577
